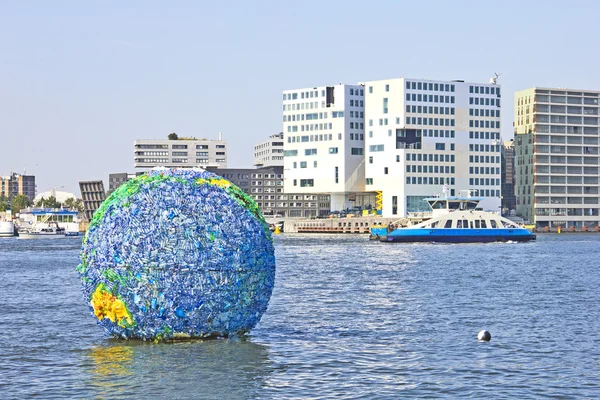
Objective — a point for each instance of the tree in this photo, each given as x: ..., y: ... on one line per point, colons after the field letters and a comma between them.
x: 4, y: 205
x: 73, y: 203
x: 173, y: 136
x: 19, y: 202
x: 49, y: 202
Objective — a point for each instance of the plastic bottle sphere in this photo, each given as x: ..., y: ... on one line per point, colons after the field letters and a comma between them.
x: 177, y: 254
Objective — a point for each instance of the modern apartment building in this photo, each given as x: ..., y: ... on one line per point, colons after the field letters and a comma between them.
x: 180, y: 153
x: 323, y: 130
x: 270, y: 152
x: 424, y: 136
x: 16, y: 184
x: 265, y: 186
x: 557, y: 156
x: 92, y: 194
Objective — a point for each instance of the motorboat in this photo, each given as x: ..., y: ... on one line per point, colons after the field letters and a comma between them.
x: 456, y: 220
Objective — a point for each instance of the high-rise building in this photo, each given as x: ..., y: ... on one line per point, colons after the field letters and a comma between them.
x: 509, y: 200
x: 92, y: 194
x: 323, y: 130
x: 270, y: 152
x: 424, y: 137
x: 180, y: 153
x: 16, y: 184
x: 557, y: 156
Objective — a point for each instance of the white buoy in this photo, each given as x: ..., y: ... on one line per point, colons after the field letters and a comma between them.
x: 484, y: 336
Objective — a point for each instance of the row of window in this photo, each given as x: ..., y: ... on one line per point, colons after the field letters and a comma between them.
x: 489, y: 148
x: 484, y: 170
x: 309, y: 127
x: 198, y: 146
x: 357, y: 125
x: 565, y: 149
x: 485, y: 90
x: 432, y: 169
x: 427, y: 157
x: 484, y: 124
x: 439, y: 133
x: 424, y: 180
x: 357, y: 103
x: 481, y: 101
x: 484, y: 112
x: 304, y: 183
x: 151, y: 153
x: 357, y: 92
x: 565, y: 99
x: 484, y: 182
x: 429, y: 121
x: 430, y: 109
x: 303, y: 95
x: 484, y: 159
x: 566, y: 129
x: 431, y: 98
x: 303, y: 106
x: 484, y: 135
x: 568, y: 160
x: 312, y: 138
x: 442, y: 87
x: 544, y: 108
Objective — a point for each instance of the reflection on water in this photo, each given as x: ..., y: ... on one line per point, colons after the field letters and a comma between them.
x: 234, y: 368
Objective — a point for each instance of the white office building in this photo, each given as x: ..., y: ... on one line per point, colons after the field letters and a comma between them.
x: 269, y: 153
x: 323, y: 130
x: 424, y: 135
x: 180, y: 153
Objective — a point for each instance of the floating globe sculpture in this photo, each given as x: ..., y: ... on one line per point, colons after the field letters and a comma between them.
x: 177, y: 254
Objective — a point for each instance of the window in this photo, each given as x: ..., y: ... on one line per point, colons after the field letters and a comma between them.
x: 302, y: 164
x: 306, y: 182
x: 440, y: 146
x: 394, y: 205
x: 336, y: 175
x: 370, y: 89
x: 369, y: 181
x: 385, y: 105
x: 333, y: 150
x: 387, y: 88
x: 385, y: 170
x: 357, y: 151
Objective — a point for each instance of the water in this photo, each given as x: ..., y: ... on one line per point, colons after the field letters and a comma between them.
x: 348, y: 318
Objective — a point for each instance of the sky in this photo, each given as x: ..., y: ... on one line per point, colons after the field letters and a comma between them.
x: 81, y: 80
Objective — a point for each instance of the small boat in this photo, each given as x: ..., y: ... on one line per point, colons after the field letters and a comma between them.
x: 50, y: 231
x: 457, y: 220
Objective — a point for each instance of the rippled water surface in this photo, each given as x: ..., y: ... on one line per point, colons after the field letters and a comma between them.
x: 348, y: 318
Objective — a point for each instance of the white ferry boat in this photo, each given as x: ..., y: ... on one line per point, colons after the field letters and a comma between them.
x: 456, y: 220
x: 48, y: 223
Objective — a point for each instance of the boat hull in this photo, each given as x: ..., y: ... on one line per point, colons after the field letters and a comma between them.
x: 24, y: 235
x: 441, y: 235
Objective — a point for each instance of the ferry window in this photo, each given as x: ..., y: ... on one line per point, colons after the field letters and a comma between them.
x: 448, y: 224
x: 453, y: 205
x: 493, y: 224
x: 477, y: 224
x: 471, y: 224
x: 483, y: 225
x: 465, y: 223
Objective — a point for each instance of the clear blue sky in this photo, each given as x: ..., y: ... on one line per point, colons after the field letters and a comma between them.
x: 80, y: 80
